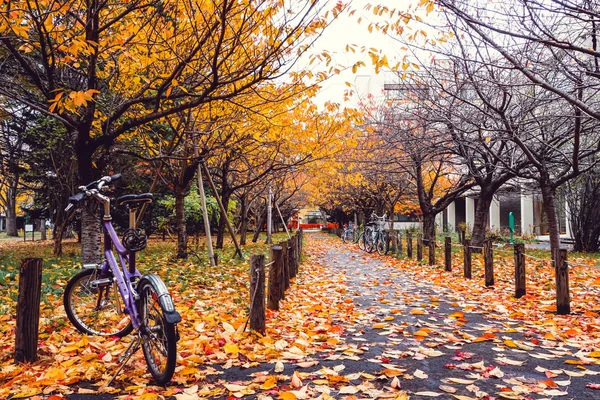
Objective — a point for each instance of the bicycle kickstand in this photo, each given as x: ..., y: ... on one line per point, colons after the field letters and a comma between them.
x: 126, y: 356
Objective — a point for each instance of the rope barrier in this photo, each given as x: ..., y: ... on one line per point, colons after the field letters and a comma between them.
x: 477, y: 247
x: 537, y: 258
x: 583, y: 265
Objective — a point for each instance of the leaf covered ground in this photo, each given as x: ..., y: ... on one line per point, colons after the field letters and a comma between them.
x: 352, y: 325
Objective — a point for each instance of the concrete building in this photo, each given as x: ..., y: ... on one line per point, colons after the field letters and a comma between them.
x: 527, y: 209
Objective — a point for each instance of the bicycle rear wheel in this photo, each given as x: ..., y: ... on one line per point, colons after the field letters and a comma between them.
x: 93, y: 306
x: 380, y: 245
x: 160, y: 343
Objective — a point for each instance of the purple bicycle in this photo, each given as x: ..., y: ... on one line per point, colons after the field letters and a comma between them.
x: 113, y: 298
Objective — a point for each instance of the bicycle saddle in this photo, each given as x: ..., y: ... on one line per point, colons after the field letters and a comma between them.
x: 135, y: 198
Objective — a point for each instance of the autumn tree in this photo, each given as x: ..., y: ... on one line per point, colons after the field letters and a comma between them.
x: 12, y: 134
x: 559, y: 98
x: 104, y: 69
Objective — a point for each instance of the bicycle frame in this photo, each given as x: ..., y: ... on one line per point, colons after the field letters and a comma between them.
x: 122, y: 275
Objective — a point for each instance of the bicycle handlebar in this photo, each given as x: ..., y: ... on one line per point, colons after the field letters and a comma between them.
x: 375, y: 216
x: 91, y: 188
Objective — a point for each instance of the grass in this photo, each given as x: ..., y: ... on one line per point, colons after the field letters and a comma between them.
x: 157, y: 258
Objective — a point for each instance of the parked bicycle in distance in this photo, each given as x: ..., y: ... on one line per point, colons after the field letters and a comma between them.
x: 114, y: 299
x: 350, y: 233
x: 374, y: 236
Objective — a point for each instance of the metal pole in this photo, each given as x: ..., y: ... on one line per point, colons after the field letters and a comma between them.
x: 211, y: 252
x: 282, y: 220
x: 270, y: 216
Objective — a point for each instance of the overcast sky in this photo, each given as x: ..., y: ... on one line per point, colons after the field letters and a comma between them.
x: 345, y: 30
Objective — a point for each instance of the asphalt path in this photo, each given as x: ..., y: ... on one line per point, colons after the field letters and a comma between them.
x: 415, y: 339
x: 418, y: 329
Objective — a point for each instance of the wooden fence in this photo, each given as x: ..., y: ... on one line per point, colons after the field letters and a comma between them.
x: 561, y: 265
x: 561, y: 269
x: 283, y: 266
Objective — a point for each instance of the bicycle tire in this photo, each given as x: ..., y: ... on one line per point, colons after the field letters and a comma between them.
x: 371, y: 243
x: 93, y: 310
x: 355, y: 236
x: 345, y: 236
x: 361, y: 242
x: 160, y: 343
x: 380, y: 245
x: 387, y: 242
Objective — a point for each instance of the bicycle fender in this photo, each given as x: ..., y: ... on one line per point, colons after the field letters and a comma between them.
x: 164, y: 298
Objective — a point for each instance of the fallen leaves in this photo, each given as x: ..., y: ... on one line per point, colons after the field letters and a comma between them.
x: 320, y: 327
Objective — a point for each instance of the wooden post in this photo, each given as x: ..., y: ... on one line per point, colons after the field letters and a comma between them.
x: 467, y: 258
x: 28, y: 310
x: 408, y: 244
x: 431, y: 251
x: 284, y: 275
x: 520, y: 280
x: 419, y: 246
x: 563, y: 299
x: 448, y: 252
x: 288, y: 263
x: 461, y: 236
x: 238, y: 249
x: 257, y: 293
x: 296, y: 257
x: 488, y: 258
x: 292, y: 267
x: 275, y: 282
x: 399, y: 247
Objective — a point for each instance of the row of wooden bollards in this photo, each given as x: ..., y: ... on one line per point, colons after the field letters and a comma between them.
x: 563, y: 299
x: 283, y: 266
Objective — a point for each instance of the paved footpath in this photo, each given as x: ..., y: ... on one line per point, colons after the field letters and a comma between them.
x: 421, y: 334
x: 413, y: 340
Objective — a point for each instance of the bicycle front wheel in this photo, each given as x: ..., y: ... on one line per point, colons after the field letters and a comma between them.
x: 160, y: 343
x: 362, y: 242
x: 94, y: 307
x: 345, y: 236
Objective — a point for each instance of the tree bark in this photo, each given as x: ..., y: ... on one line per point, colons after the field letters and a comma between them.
x: 482, y: 212
x: 428, y: 227
x: 60, y: 224
x: 180, y: 222
x: 90, y: 233
x: 11, y: 211
x: 259, y: 223
x: 244, y: 219
x: 43, y: 229
x: 549, y: 199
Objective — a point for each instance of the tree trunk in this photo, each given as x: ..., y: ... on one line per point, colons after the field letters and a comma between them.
x: 244, y: 220
x: 11, y: 221
x: 480, y: 224
x: 259, y: 224
x: 549, y: 199
x: 180, y: 222
x: 223, y: 220
x: 90, y: 233
x: 60, y: 224
x: 11, y: 211
x: 429, y: 227
x: 43, y: 229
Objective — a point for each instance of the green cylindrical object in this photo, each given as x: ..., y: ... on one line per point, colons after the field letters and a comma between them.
x: 511, y: 226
